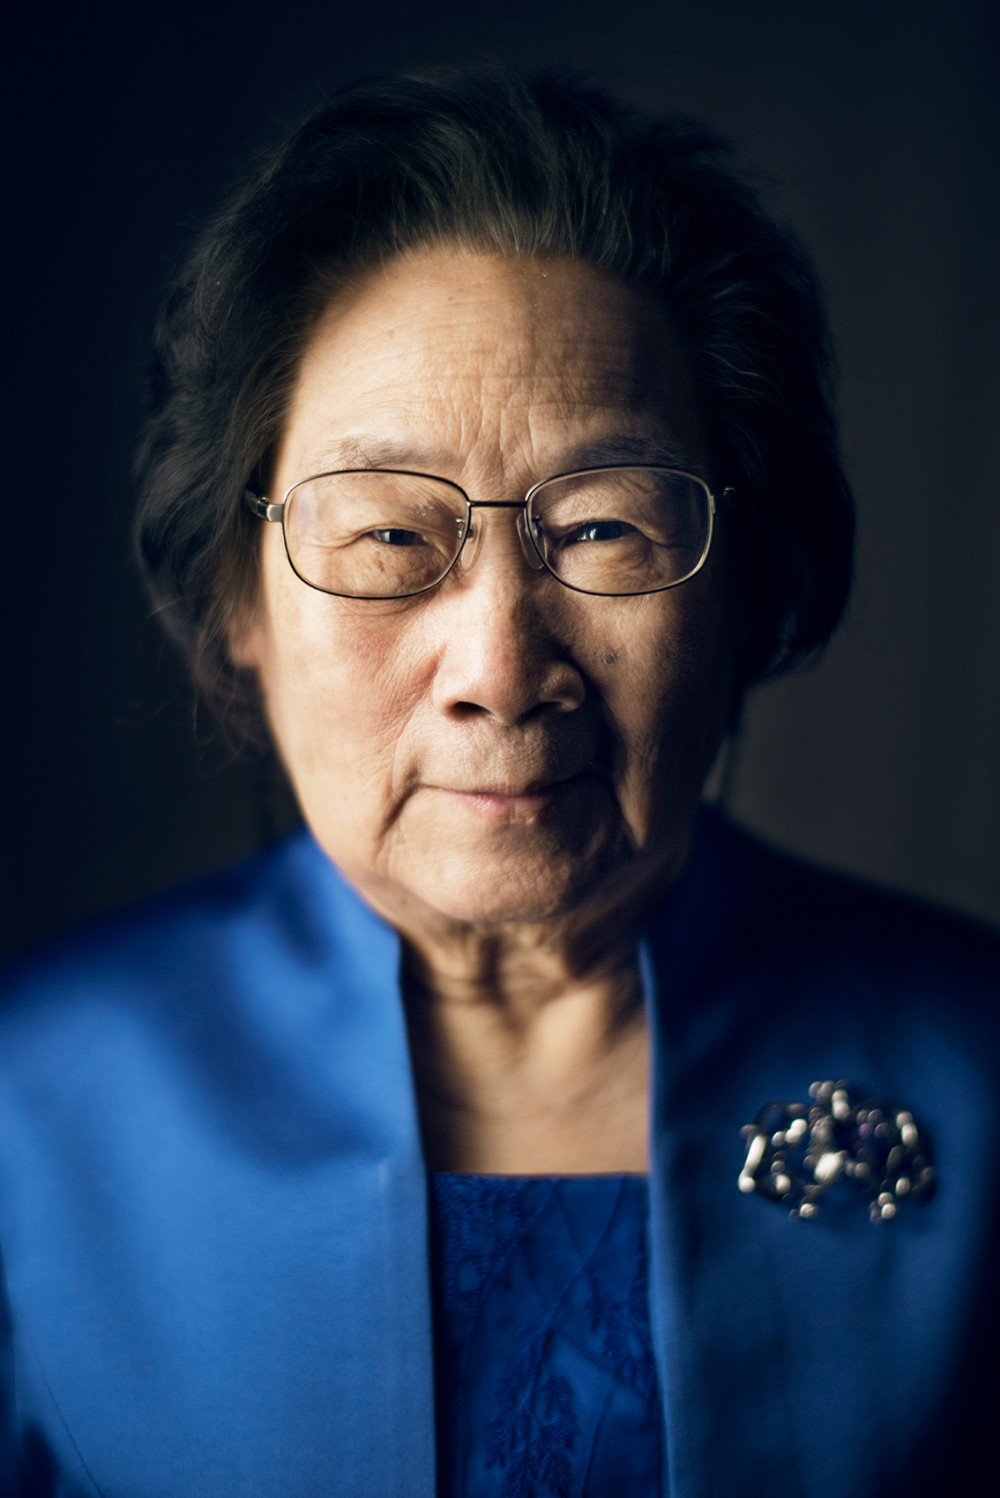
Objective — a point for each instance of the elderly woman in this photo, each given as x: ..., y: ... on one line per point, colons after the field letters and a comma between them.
x: 491, y: 460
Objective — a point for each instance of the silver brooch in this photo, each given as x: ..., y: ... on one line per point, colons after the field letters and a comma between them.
x: 797, y: 1151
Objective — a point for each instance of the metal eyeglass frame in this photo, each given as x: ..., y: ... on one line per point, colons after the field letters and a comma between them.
x: 267, y: 510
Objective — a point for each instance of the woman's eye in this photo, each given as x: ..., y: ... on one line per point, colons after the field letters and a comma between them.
x: 601, y: 530
x: 391, y: 536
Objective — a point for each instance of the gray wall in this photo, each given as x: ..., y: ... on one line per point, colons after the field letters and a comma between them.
x: 877, y: 125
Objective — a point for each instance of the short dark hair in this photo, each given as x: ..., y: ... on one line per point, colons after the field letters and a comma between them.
x: 483, y: 159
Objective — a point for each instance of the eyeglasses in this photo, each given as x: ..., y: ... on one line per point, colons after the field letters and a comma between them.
x: 387, y: 533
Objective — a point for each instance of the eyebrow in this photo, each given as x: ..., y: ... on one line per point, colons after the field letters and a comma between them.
x: 379, y: 452
x: 662, y: 450
x: 371, y: 451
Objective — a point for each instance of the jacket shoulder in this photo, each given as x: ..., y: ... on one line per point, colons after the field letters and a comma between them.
x: 154, y: 915
x: 801, y: 928
x: 849, y: 908
x: 179, y: 941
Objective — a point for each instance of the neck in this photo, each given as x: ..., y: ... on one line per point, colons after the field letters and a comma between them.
x: 521, y: 970
x: 528, y: 1038
x: 529, y: 1049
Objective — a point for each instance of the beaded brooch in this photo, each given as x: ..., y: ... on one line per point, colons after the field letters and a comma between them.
x: 798, y: 1151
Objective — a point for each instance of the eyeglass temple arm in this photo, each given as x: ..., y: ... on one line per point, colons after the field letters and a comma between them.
x: 262, y: 507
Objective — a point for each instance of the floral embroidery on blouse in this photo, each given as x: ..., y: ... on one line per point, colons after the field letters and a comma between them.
x: 545, y: 1363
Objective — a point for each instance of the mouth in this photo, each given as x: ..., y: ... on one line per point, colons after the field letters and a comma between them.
x: 515, y: 803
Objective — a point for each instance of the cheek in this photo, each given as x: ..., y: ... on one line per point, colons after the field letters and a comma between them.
x: 664, y: 672
x: 339, y: 685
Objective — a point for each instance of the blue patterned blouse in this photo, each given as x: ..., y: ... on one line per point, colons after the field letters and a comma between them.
x: 545, y: 1380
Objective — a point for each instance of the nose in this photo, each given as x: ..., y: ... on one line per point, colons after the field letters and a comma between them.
x: 504, y: 649
x: 474, y: 533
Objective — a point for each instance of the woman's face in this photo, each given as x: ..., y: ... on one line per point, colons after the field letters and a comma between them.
x: 500, y: 748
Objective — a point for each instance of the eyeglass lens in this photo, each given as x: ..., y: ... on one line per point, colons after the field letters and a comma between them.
x: 615, y: 531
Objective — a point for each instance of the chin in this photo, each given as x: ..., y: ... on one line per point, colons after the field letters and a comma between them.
x: 522, y: 889
x: 511, y: 910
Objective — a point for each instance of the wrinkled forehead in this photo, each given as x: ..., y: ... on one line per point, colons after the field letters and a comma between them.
x: 453, y: 361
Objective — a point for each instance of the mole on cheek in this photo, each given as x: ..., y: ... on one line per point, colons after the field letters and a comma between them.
x: 610, y: 658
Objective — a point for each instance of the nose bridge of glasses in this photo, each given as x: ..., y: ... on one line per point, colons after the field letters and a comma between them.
x: 474, y: 531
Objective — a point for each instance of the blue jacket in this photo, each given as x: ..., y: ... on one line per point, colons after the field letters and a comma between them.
x: 212, y: 1197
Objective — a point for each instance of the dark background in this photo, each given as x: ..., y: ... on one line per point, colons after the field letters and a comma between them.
x: 877, y: 123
